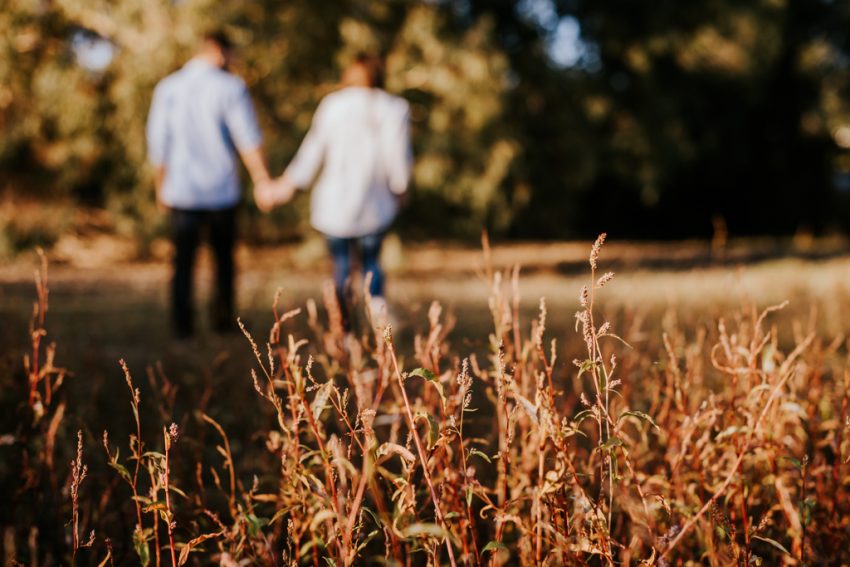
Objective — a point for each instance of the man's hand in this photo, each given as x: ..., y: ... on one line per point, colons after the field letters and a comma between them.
x: 269, y: 194
x: 158, y: 181
x: 402, y: 199
x: 264, y: 195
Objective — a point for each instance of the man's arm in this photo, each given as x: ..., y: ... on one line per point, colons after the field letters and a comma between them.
x: 301, y: 170
x: 255, y: 162
x: 242, y: 123
x: 158, y: 180
x: 157, y: 137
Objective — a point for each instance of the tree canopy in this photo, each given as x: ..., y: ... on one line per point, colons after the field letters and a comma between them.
x: 532, y: 118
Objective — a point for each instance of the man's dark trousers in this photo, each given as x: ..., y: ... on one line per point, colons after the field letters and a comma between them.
x: 187, y: 227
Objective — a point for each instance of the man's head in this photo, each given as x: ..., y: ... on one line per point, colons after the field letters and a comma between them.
x: 366, y: 70
x: 217, y: 48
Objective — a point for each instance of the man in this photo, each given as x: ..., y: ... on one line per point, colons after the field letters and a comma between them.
x: 359, y: 148
x: 200, y: 118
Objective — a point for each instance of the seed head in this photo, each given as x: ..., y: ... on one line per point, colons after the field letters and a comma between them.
x: 174, y: 432
x: 604, y: 279
x: 367, y: 418
x: 594, y: 251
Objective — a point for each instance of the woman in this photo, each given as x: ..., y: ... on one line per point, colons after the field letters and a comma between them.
x: 359, y: 146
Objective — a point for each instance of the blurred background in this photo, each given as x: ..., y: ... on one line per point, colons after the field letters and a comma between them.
x: 701, y: 135
x: 534, y: 119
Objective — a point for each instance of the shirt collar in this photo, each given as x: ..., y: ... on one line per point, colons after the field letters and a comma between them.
x: 198, y: 63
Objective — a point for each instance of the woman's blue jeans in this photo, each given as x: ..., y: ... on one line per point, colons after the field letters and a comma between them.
x: 368, y: 250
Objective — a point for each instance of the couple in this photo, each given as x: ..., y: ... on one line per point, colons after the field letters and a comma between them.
x: 358, y: 145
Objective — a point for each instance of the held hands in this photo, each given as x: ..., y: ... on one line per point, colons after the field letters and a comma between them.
x: 264, y: 195
x: 274, y: 192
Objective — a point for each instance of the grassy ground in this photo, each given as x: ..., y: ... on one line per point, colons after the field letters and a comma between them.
x: 104, y: 306
x: 103, y: 309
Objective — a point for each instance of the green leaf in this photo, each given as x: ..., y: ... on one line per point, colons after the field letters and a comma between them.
x: 279, y: 514
x: 122, y: 470
x: 255, y: 524
x: 582, y: 415
x: 423, y: 373
x: 610, y: 444
x: 774, y: 543
x: 641, y: 416
x: 585, y: 366
x: 372, y: 515
x: 481, y: 454
x: 809, y: 504
x: 433, y: 427
x: 322, y: 516
x: 494, y: 546
x: 176, y: 490
x: 140, y: 544
x: 430, y: 377
x: 372, y: 535
x: 307, y: 547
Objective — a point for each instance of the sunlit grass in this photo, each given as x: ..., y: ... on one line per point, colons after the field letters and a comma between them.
x: 714, y: 432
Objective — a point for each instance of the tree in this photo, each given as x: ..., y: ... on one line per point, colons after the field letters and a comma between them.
x: 676, y: 114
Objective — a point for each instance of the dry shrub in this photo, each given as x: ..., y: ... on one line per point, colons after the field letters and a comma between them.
x: 724, y: 446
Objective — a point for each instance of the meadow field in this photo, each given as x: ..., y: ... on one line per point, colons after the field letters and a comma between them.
x: 691, y: 409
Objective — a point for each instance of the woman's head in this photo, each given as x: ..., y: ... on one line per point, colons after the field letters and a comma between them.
x: 366, y: 70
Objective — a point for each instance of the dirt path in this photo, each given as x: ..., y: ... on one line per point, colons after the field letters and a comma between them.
x: 104, y: 305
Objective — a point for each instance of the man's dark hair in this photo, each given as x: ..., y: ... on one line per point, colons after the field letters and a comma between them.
x: 220, y: 38
x: 374, y: 65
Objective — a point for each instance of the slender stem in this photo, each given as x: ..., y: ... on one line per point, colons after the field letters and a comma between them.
x: 329, y: 480
x: 744, y: 514
x: 803, y: 510
x: 170, y: 526
x: 539, y: 526
x: 596, y: 357
x: 469, y: 516
x: 137, y: 450
x: 423, y: 459
x: 733, y: 470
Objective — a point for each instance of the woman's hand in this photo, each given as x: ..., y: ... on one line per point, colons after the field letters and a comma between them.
x: 284, y: 190
x: 271, y: 193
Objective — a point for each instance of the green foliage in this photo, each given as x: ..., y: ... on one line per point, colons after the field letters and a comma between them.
x: 677, y: 113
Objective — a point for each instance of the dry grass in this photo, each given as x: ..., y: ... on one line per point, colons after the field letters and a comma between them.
x: 719, y: 443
